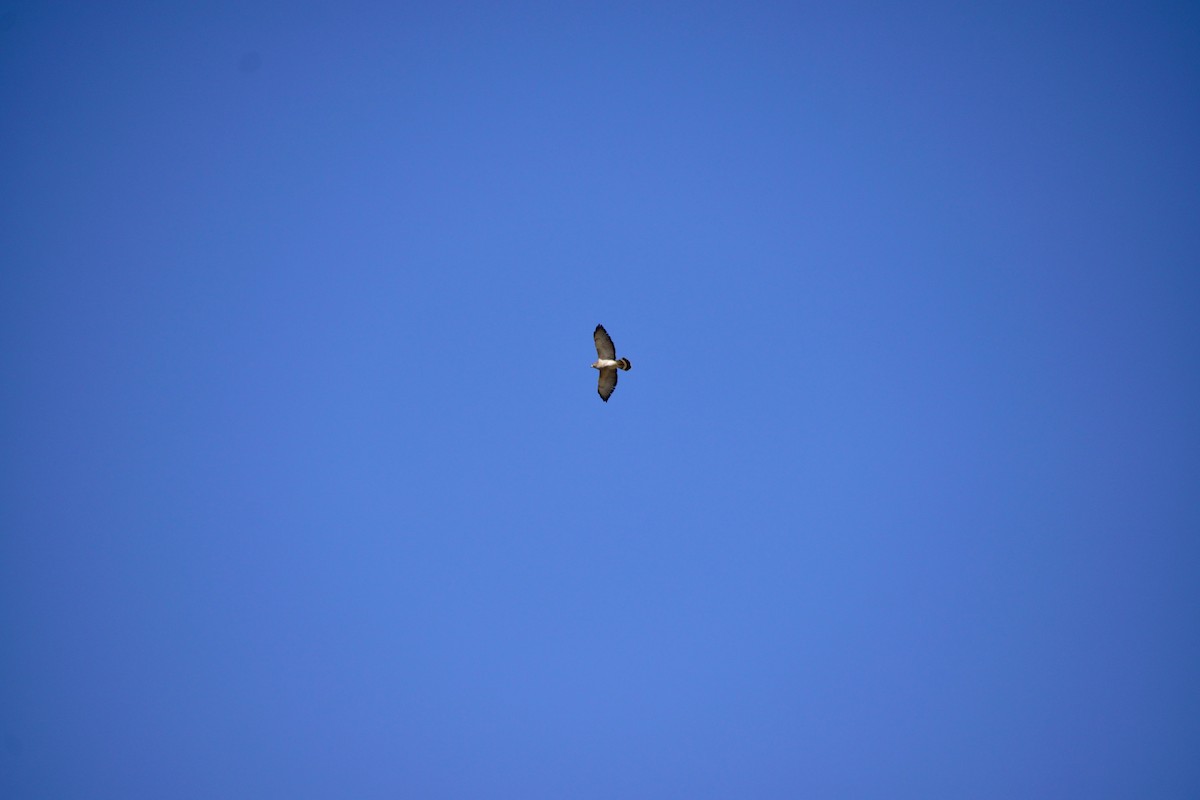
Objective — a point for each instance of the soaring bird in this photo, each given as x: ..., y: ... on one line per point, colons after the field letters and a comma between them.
x: 607, y: 363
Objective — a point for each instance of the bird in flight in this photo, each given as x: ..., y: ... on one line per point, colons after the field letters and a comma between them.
x: 607, y: 363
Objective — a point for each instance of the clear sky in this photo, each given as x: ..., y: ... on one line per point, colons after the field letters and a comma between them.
x: 307, y: 491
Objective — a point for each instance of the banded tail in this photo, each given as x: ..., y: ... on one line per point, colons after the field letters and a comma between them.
x: 623, y: 363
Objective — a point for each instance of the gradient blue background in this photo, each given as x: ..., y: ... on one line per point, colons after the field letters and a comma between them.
x: 307, y: 491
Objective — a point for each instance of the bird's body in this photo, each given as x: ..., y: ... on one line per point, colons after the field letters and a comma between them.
x: 607, y: 363
x: 620, y: 363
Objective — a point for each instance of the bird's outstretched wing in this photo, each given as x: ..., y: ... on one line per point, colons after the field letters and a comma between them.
x: 604, y: 346
x: 608, y: 382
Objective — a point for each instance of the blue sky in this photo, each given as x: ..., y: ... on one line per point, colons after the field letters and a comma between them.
x: 307, y: 490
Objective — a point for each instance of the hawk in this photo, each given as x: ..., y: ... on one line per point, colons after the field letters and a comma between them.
x: 607, y: 363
